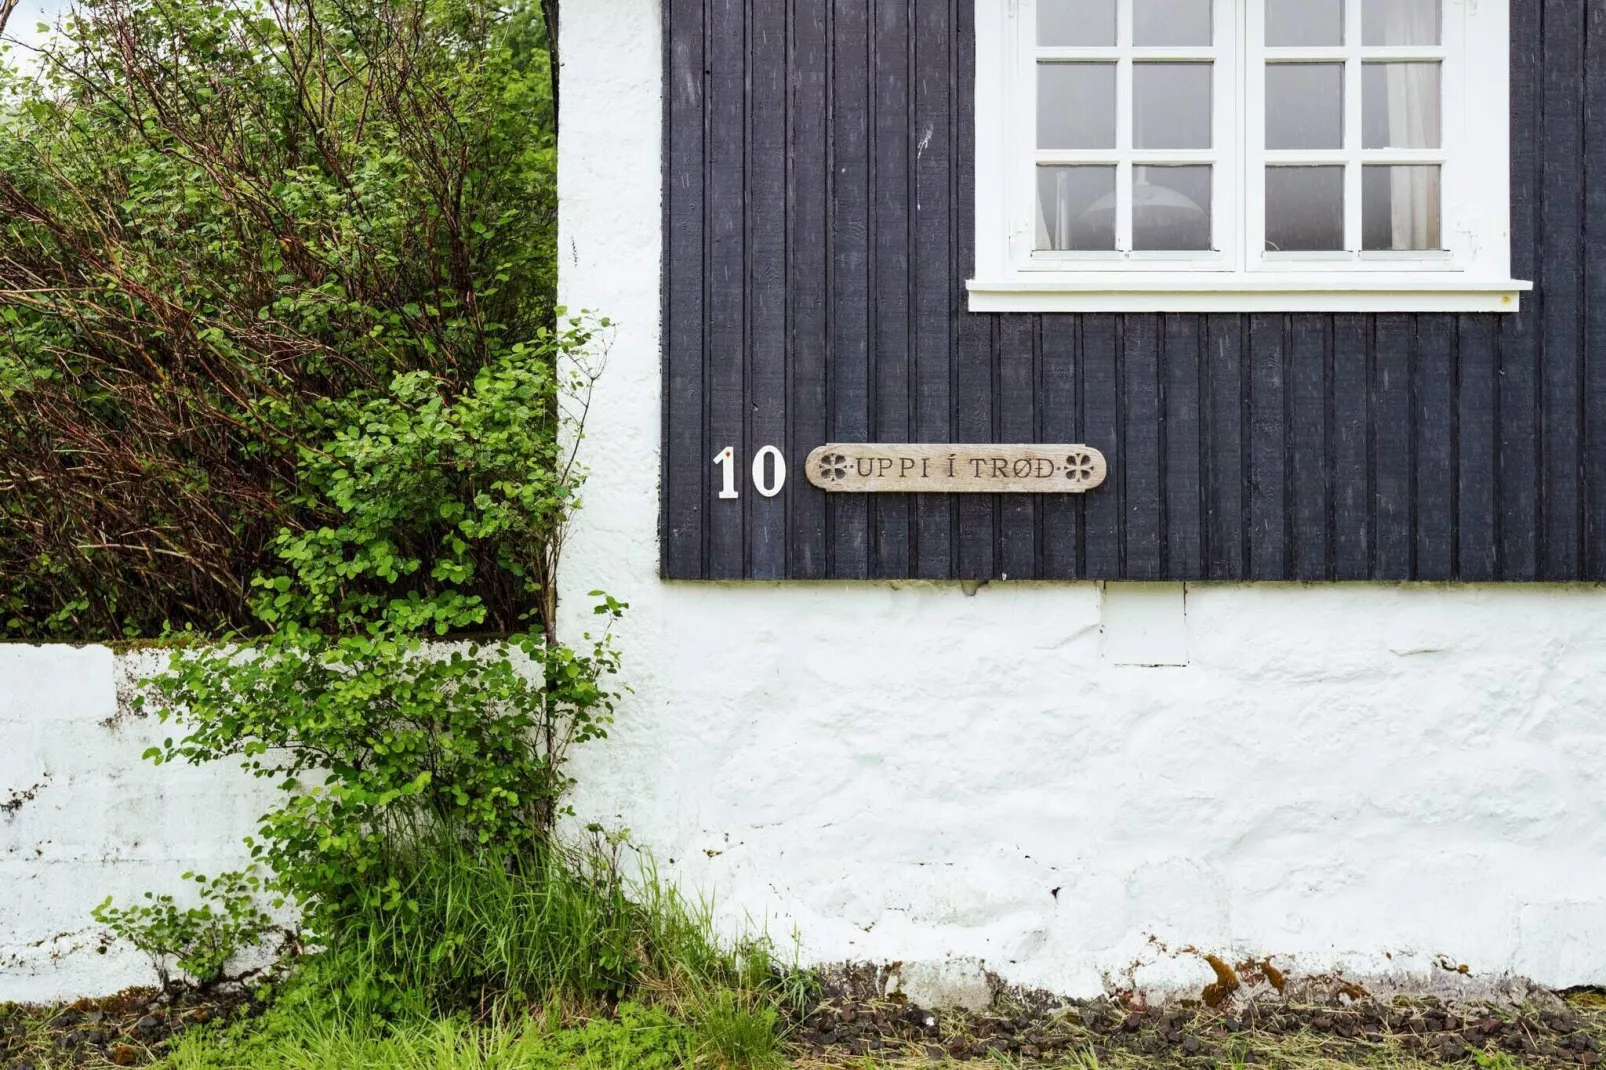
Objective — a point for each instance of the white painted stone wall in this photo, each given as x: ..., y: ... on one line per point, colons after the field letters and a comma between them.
x: 83, y: 817
x: 1360, y: 778
x: 1070, y: 787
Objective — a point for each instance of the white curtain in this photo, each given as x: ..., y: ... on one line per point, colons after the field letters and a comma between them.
x: 1413, y: 90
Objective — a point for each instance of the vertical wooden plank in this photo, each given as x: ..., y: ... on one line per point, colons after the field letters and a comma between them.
x: 890, y: 221
x: 807, y: 272
x: 766, y: 239
x: 1060, y: 422
x: 1477, y: 448
x: 1182, y: 447
x: 1433, y: 492
x: 1143, y: 518
x: 1594, y: 301
x: 1391, y: 446
x: 1226, y: 477
x: 975, y: 369
x: 850, y: 272
x: 936, y: 295
x: 1519, y: 342
x: 727, y: 277
x: 1562, y: 224
x: 1268, y: 503
x: 1101, y: 406
x: 1308, y: 392
x: 1017, y: 422
x: 1351, y: 446
x: 686, y: 485
x: 974, y: 421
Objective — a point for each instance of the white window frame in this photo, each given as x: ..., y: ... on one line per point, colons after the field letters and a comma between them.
x: 1471, y: 274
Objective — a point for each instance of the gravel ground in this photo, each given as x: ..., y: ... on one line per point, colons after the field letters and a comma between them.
x: 1553, y: 1031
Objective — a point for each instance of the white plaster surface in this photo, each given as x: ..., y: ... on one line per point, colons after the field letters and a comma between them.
x: 1145, y: 624
x: 82, y: 816
x: 1386, y: 781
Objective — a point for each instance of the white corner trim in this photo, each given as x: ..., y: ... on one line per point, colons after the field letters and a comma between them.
x: 1134, y: 292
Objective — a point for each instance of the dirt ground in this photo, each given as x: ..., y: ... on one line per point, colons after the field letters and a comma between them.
x: 1552, y: 1030
x: 1548, y: 1030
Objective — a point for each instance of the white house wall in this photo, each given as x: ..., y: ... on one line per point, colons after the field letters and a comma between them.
x: 1364, y: 778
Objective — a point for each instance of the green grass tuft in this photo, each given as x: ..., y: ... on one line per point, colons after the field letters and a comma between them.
x: 638, y: 1039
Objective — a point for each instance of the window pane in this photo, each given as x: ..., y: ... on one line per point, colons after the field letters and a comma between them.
x: 1400, y: 22
x: 1076, y: 105
x: 1171, y: 208
x: 1171, y: 105
x: 1400, y: 105
x: 1081, y: 23
x: 1400, y: 208
x: 1305, y: 23
x: 1076, y: 208
x: 1304, y: 209
x: 1157, y: 23
x: 1304, y: 106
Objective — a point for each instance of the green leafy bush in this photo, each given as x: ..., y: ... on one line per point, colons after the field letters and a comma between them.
x: 380, y: 740
x: 226, y: 230
x: 200, y: 940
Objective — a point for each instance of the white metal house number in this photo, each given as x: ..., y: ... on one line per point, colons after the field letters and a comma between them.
x: 768, y: 487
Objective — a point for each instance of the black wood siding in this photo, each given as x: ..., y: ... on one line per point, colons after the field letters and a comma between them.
x: 818, y: 214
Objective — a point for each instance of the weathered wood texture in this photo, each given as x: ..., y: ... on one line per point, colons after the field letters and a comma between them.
x: 888, y: 467
x: 818, y: 184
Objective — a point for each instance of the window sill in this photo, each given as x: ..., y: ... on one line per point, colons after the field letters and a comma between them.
x: 1141, y: 292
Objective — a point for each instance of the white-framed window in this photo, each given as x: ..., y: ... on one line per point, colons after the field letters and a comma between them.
x: 1242, y: 155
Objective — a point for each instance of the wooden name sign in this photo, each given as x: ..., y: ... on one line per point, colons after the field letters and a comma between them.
x: 941, y: 469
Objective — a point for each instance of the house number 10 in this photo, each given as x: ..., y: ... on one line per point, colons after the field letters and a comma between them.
x: 726, y: 459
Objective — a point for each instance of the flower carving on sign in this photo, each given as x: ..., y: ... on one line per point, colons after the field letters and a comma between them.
x: 834, y: 467
x: 1081, y: 467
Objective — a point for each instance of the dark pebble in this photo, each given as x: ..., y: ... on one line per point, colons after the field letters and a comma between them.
x: 1191, y: 1045
x: 1132, y: 1023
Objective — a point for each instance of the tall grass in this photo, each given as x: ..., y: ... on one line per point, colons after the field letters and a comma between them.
x: 488, y: 935
x: 553, y: 935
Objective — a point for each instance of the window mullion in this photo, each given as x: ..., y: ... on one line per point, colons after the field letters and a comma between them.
x: 1123, y: 127
x: 1252, y: 132
x: 1354, y: 118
